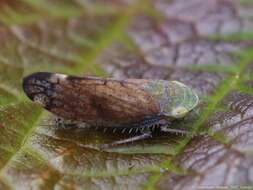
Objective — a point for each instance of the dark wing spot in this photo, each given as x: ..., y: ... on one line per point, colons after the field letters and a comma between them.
x: 38, y: 87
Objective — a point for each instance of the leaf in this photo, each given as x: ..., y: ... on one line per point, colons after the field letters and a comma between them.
x: 204, y: 44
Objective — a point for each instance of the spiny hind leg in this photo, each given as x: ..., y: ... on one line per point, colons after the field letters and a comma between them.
x: 142, y: 136
x: 145, y: 127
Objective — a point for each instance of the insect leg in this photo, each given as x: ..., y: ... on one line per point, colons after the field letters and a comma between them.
x: 123, y: 141
x: 180, y: 131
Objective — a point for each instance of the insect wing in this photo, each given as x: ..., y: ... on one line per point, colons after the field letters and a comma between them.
x: 94, y: 100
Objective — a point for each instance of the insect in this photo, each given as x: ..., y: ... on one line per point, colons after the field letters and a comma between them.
x: 138, y: 104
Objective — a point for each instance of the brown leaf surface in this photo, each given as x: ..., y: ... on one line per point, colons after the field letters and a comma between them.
x: 204, y: 44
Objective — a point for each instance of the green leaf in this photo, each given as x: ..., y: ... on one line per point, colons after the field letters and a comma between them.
x: 204, y: 44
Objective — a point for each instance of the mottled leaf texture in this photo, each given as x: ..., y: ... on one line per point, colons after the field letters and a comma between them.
x: 206, y: 44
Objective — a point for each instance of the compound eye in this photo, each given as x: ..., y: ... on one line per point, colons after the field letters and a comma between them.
x: 179, y: 112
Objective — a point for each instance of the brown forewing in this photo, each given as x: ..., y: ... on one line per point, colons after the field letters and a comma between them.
x: 98, y: 101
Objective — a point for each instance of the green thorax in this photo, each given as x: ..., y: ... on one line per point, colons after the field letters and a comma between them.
x: 174, y: 98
